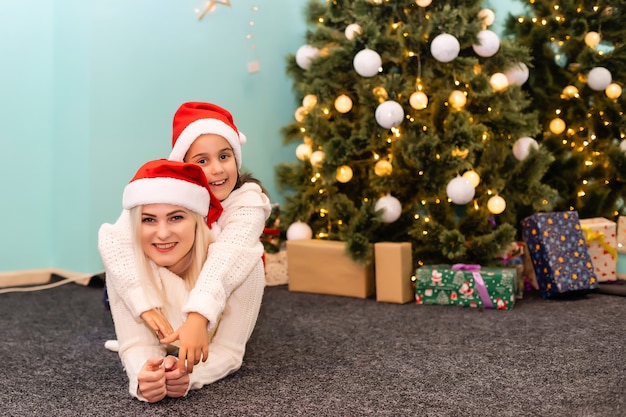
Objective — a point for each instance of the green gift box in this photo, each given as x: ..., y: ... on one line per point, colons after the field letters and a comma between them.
x: 466, y: 285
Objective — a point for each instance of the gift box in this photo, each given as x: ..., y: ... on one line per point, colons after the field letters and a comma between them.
x: 601, y: 238
x: 324, y: 267
x: 393, y: 265
x: 559, y: 254
x: 466, y: 285
x: 621, y: 248
x: 517, y: 256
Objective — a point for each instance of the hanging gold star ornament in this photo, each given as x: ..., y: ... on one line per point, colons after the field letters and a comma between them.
x: 210, y: 7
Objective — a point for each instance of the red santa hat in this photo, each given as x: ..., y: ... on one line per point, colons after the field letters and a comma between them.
x: 171, y: 182
x: 196, y: 118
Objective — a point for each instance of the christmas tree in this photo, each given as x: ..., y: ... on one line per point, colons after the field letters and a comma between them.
x: 413, y: 127
x: 579, y: 62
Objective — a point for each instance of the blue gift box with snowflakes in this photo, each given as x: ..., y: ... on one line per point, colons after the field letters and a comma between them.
x: 559, y: 254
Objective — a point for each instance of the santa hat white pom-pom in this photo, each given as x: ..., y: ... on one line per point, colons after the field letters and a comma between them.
x: 242, y: 138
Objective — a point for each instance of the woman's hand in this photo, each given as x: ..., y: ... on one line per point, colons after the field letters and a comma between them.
x: 157, y: 321
x: 151, y: 380
x: 194, y: 341
x: 176, y: 378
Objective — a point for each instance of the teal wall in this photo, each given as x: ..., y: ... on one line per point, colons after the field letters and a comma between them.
x: 88, y: 89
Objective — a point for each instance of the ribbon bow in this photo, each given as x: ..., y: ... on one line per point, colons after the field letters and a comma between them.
x: 466, y: 267
x: 478, y: 281
x: 598, y: 236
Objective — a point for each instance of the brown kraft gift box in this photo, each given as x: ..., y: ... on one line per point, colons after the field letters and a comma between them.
x: 394, y: 268
x: 323, y: 267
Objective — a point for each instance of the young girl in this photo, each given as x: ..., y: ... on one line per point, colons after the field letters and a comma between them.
x: 230, y: 286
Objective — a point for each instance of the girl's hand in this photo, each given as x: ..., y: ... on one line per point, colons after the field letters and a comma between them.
x: 194, y: 341
x: 151, y: 380
x: 176, y: 378
x: 157, y: 322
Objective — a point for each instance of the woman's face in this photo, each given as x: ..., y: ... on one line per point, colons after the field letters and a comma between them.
x: 167, y: 235
x: 216, y: 158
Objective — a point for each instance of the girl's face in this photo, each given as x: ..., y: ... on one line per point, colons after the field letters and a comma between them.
x: 215, y: 155
x: 167, y: 235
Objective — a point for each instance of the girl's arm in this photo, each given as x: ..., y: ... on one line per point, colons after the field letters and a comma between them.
x: 234, y: 254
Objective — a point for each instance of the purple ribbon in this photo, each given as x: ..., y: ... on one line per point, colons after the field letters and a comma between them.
x: 478, y: 280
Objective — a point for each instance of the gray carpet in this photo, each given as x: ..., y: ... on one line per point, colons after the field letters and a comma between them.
x: 318, y: 355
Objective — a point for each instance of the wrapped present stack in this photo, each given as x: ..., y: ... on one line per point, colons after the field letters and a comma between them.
x: 559, y: 254
x: 601, y: 238
x: 466, y: 285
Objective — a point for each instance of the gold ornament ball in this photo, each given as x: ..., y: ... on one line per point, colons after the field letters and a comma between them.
x: 317, y: 158
x: 473, y: 177
x: 498, y: 81
x: 382, y: 168
x: 303, y: 151
x: 487, y: 16
x: 570, y: 91
x: 457, y: 99
x: 344, y: 173
x: 418, y: 100
x: 496, y: 204
x: 300, y: 114
x: 592, y: 39
x: 557, y: 126
x: 613, y: 91
x: 343, y: 104
x: 309, y: 101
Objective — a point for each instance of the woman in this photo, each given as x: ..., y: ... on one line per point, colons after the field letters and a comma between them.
x: 168, y: 204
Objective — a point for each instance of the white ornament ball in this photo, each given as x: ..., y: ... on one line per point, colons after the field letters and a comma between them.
x: 521, y: 147
x: 389, y: 114
x: 613, y: 90
x: 418, y: 100
x: 622, y: 145
x: 299, y: 231
x: 445, y: 47
x: 317, y: 158
x: 487, y: 16
x: 518, y: 74
x: 343, y: 104
x: 305, y: 56
x: 367, y: 63
x: 599, y: 78
x: 460, y: 190
x: 391, y: 208
x: 352, y: 30
x: 496, y: 204
x: 423, y: 3
x: 488, y: 43
x: 303, y: 151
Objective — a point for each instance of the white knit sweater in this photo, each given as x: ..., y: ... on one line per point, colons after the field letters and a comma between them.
x: 229, y: 289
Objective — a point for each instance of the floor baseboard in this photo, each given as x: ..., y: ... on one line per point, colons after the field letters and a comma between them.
x: 40, y: 277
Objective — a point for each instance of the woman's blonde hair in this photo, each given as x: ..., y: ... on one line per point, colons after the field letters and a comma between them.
x: 199, y: 251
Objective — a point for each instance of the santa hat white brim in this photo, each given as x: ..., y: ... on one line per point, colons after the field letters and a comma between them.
x: 203, y: 127
x: 167, y: 191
